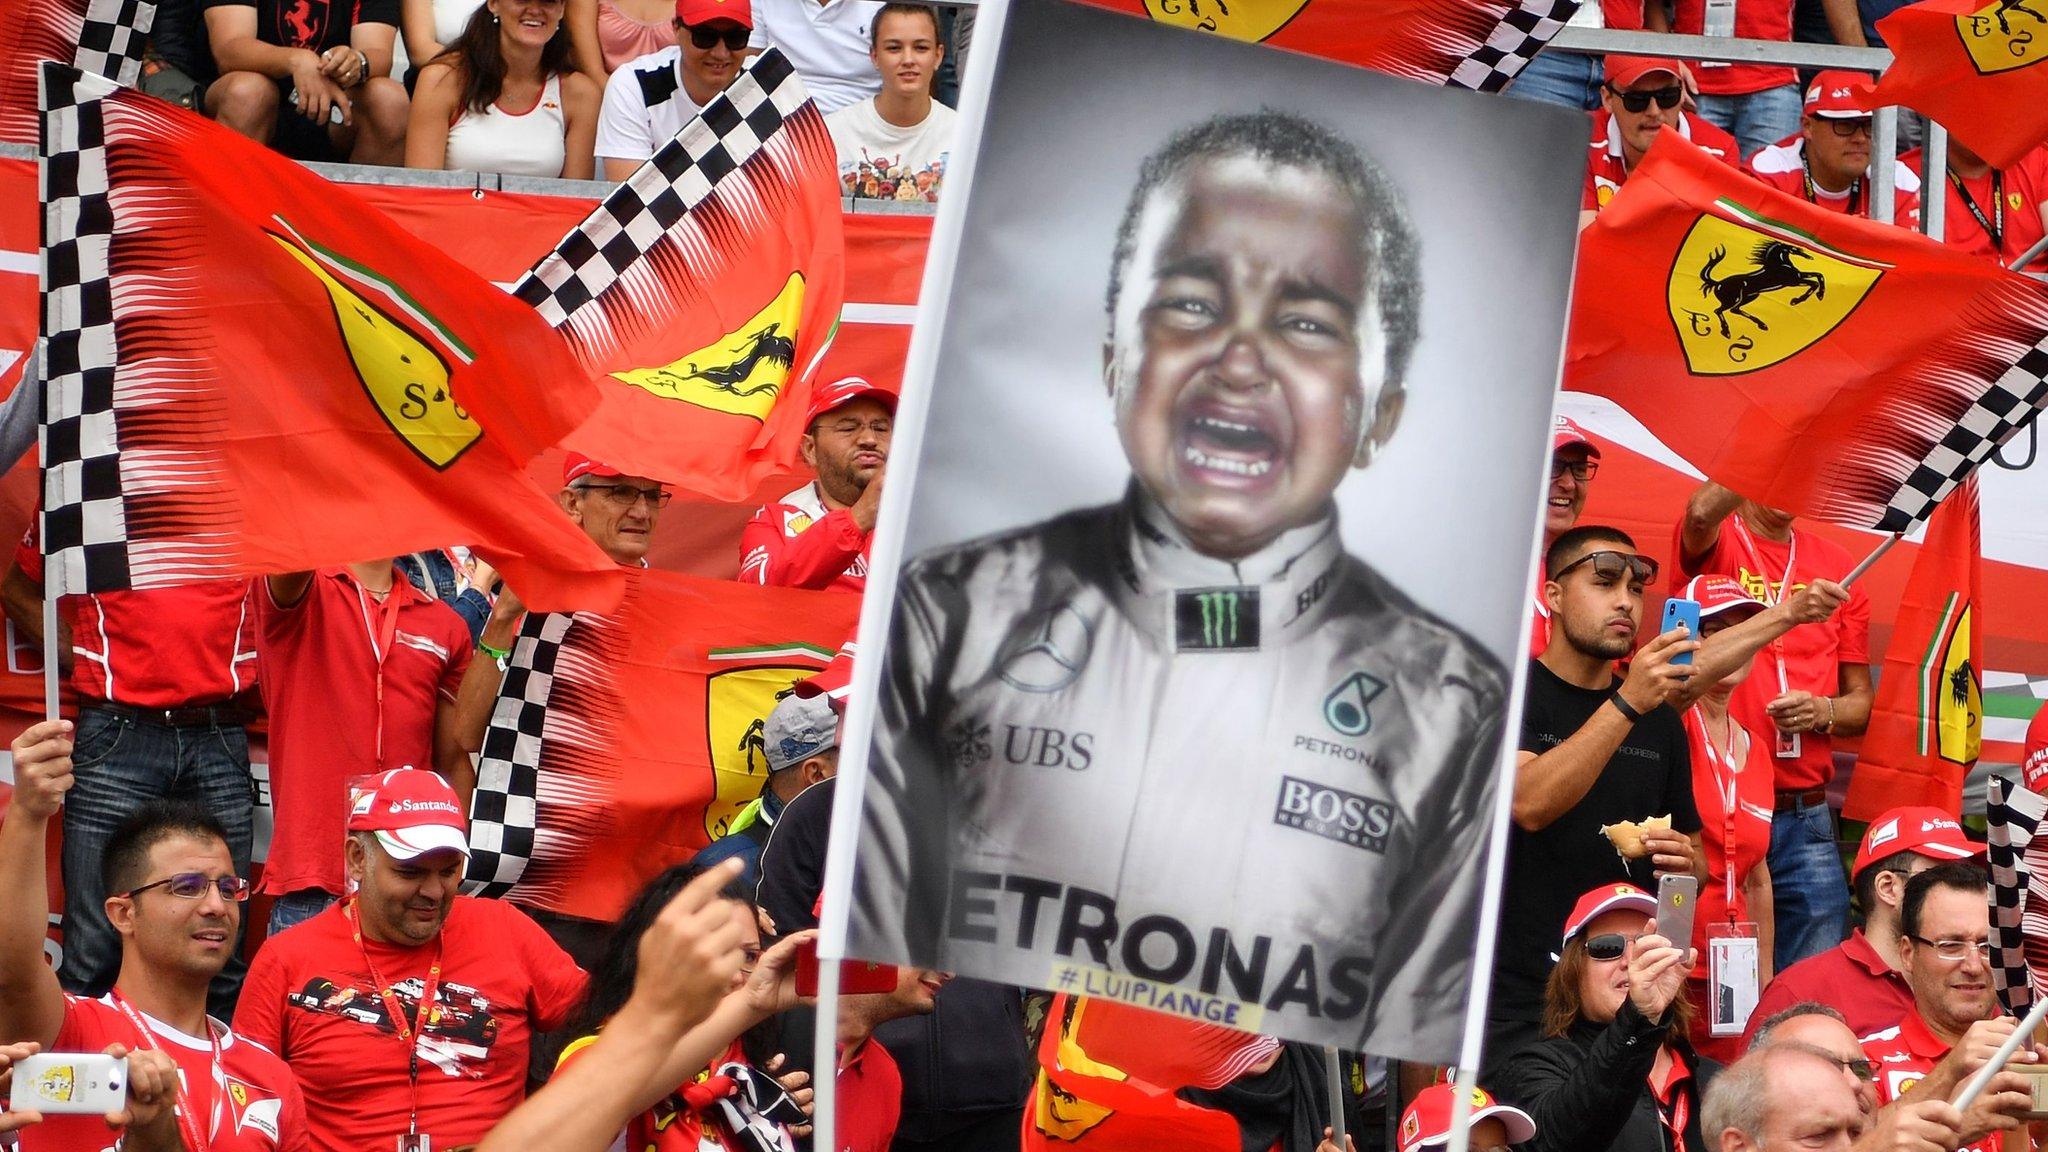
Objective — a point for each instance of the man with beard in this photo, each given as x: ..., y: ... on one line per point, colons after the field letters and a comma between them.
x: 819, y: 535
x: 1598, y: 749
x: 1184, y: 740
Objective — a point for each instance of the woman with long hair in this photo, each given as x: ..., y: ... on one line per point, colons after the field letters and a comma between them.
x: 505, y: 98
x: 726, y: 1101
x: 1613, y: 1072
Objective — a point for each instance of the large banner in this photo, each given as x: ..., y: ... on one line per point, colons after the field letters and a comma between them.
x: 1196, y: 683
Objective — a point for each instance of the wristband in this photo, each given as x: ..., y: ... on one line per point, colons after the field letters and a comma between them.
x: 499, y: 654
x: 1829, y: 727
x: 1628, y: 711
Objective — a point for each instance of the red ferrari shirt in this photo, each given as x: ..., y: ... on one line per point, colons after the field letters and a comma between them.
x: 1783, y: 166
x: 1734, y: 801
x: 1754, y: 20
x: 1851, y: 978
x: 250, y: 1103
x: 352, y: 686
x: 870, y: 1099
x: 671, y: 1125
x: 310, y: 996
x: 1907, y: 1052
x: 2009, y: 200
x: 157, y: 648
x: 798, y: 543
x: 1607, y: 167
x: 1811, y: 655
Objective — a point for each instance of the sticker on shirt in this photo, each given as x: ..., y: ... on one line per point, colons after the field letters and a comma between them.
x: 1747, y: 292
x: 889, y: 178
x: 1900, y: 1081
x: 459, y: 1032
x: 1334, y: 814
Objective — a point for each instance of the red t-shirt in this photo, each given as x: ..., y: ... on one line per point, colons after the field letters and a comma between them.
x: 870, y: 1099
x: 1813, y: 654
x: 259, y: 1111
x: 1607, y: 169
x: 1906, y: 1053
x: 310, y: 997
x: 320, y: 686
x: 1735, y: 836
x: 2010, y: 199
x: 179, y: 647
x: 1782, y: 166
x: 1754, y: 20
x: 1851, y: 978
x: 798, y: 543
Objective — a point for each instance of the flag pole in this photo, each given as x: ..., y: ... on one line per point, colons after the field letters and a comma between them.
x: 1863, y: 567
x: 2031, y: 254
x: 1334, y: 1078
x: 50, y: 674
x: 2024, y: 1033
x: 825, y: 1056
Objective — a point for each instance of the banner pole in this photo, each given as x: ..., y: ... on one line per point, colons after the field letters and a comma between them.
x: 1975, y: 1086
x: 1334, y: 1079
x: 49, y: 651
x: 1863, y: 567
x: 825, y: 1056
x: 1461, y: 1109
x: 2031, y: 254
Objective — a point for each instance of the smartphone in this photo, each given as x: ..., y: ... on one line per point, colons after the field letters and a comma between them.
x: 1679, y: 610
x: 334, y: 113
x: 1677, y: 895
x: 855, y: 976
x: 69, y: 1083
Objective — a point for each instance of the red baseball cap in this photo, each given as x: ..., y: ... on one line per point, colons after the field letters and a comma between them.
x: 412, y: 812
x: 1716, y: 594
x: 1836, y: 95
x: 695, y: 12
x: 1566, y: 432
x: 1623, y: 71
x: 833, y: 680
x: 1427, y: 1122
x: 1606, y: 898
x: 1929, y: 832
x: 843, y: 391
x: 576, y: 466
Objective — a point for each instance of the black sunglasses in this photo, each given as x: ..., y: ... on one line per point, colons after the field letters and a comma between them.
x: 1607, y: 946
x: 705, y: 37
x: 1609, y: 565
x: 1640, y: 101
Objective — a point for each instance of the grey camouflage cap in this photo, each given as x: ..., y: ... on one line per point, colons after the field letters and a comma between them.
x: 799, y: 729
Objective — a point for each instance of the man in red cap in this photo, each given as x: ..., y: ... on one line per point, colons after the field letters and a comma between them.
x: 1996, y: 213
x: 1861, y: 977
x: 818, y: 536
x: 1641, y: 98
x: 1827, y: 162
x: 407, y: 1009
x: 1574, y: 461
x: 660, y: 92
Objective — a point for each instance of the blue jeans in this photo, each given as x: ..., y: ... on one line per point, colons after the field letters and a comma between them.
x: 1565, y: 78
x: 295, y: 908
x: 1757, y: 119
x: 1808, y: 890
x: 123, y: 762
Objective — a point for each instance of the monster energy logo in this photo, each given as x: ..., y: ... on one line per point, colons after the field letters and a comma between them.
x: 1216, y: 619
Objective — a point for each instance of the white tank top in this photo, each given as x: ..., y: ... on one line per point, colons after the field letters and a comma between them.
x: 529, y: 143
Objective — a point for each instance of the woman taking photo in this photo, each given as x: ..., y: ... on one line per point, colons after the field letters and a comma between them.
x: 1614, y: 1071
x: 504, y: 98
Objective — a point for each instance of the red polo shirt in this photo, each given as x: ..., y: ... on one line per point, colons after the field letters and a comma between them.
x: 1783, y: 166
x: 1851, y: 978
x: 1906, y: 1053
x: 180, y: 647
x: 2009, y: 199
x: 1607, y: 168
x: 870, y: 1099
x: 332, y: 699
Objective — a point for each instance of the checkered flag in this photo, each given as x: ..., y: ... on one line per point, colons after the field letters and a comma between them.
x: 2014, y: 814
x: 2008, y: 405
x: 504, y: 813
x: 102, y: 38
x: 1522, y: 32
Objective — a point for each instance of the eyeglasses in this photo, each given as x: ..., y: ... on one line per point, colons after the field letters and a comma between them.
x: 626, y: 495
x: 1640, y: 101
x: 1581, y: 470
x: 1845, y: 128
x: 1863, y: 1070
x: 1955, y: 951
x: 193, y: 885
x: 706, y: 37
x: 1609, y: 565
x: 1608, y: 946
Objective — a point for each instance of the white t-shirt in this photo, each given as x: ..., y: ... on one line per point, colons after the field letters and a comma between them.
x: 827, y: 44
x: 644, y: 107
x: 880, y: 161
x: 529, y: 143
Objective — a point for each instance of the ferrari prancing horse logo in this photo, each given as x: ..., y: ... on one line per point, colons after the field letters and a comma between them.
x: 1745, y: 298
x: 1238, y: 19
x: 2005, y: 34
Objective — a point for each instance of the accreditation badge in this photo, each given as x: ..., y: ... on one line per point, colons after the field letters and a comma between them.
x: 1733, y: 976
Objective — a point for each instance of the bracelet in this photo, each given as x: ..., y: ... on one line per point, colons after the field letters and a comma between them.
x: 362, y: 64
x: 1628, y: 711
x: 1829, y: 727
x: 499, y: 654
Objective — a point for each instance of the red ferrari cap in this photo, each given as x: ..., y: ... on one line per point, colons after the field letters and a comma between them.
x: 412, y: 812
x: 1927, y: 831
x: 843, y: 391
x: 1624, y: 71
x: 1566, y: 432
x: 695, y: 12
x: 1607, y: 898
x: 1427, y: 1122
x: 577, y: 466
x: 832, y: 681
x: 1836, y: 95
x: 1716, y: 594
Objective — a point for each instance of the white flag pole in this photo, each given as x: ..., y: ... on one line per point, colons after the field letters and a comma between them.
x: 1863, y: 567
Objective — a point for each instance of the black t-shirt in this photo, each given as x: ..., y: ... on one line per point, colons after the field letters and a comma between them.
x: 315, y: 24
x: 1649, y: 775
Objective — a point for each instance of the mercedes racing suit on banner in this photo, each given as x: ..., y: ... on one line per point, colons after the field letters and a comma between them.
x: 1256, y: 792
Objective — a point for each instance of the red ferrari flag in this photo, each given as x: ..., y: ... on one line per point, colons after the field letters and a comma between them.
x: 1979, y: 69
x: 624, y: 742
x: 97, y: 37
x: 705, y: 289
x: 1475, y: 44
x: 1108, y: 1074
x: 248, y: 370
x: 1927, y: 724
x: 1824, y: 364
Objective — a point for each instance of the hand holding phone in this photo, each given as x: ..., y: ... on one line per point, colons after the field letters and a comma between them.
x: 1677, y: 896
x: 69, y: 1084
x: 1679, y: 610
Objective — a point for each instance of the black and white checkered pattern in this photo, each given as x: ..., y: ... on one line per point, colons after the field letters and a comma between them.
x: 677, y: 178
x: 84, y: 526
x: 506, y: 808
x: 1513, y: 43
x: 2014, y: 814
x: 111, y: 39
x: 2012, y: 401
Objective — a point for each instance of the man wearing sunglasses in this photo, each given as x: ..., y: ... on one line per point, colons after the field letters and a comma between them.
x: 650, y: 99
x: 1827, y: 162
x: 819, y: 535
x: 1641, y: 98
x: 1574, y: 461
x: 176, y: 903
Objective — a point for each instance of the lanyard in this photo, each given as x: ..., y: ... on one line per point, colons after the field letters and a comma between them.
x: 1727, y: 775
x: 188, y: 1116
x: 1813, y: 191
x: 410, y: 1033
x: 1994, y: 230
x: 1768, y: 596
x: 385, y: 629
x: 1674, y: 1105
